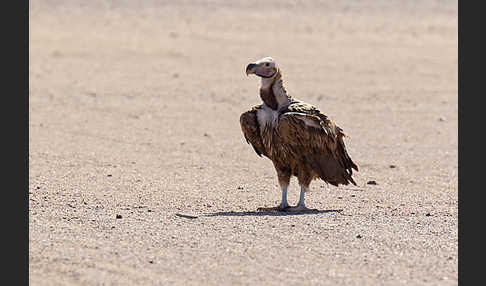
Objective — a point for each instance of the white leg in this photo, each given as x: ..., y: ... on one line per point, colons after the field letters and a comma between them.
x: 301, y: 202
x: 284, y: 204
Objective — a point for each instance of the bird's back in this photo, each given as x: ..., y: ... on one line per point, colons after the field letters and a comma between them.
x: 315, y: 142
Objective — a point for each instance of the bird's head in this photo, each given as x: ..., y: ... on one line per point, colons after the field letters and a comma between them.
x: 265, y: 68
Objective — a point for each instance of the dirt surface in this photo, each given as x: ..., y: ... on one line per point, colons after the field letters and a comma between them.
x: 139, y: 173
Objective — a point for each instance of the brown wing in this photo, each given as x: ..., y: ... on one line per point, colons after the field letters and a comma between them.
x: 251, y: 130
x: 318, y: 141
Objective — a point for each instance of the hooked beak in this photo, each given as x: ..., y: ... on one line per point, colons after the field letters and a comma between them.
x: 250, y: 69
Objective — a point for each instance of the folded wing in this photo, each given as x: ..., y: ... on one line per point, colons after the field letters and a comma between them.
x: 251, y: 130
x: 318, y: 141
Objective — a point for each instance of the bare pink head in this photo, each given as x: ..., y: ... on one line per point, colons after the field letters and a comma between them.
x: 265, y: 68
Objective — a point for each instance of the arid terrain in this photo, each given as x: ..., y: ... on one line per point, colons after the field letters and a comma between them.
x: 139, y: 173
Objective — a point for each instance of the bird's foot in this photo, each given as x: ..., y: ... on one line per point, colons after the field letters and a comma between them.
x: 279, y: 208
x: 300, y: 209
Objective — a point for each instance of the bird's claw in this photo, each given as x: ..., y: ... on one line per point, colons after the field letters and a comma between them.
x: 271, y: 209
x: 300, y: 209
x: 287, y: 208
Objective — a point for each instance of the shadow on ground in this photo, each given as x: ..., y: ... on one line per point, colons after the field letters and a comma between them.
x: 271, y: 213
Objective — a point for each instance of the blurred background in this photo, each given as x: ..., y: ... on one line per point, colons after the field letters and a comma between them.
x: 137, y: 103
x: 370, y: 65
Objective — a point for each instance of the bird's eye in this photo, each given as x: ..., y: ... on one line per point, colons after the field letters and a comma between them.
x: 267, y: 64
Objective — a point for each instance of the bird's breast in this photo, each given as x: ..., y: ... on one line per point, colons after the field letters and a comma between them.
x: 268, y: 121
x: 267, y: 117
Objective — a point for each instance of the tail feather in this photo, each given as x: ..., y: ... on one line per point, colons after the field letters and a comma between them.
x: 330, y: 170
x: 335, y: 168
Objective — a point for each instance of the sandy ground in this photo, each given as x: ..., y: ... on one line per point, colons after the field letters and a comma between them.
x: 134, y: 112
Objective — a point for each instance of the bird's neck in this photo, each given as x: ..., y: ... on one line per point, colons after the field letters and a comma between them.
x: 273, y: 93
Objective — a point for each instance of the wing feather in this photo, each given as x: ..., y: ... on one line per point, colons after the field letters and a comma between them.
x: 251, y: 130
x: 318, y: 140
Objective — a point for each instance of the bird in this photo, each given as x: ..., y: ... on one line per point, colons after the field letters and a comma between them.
x: 296, y: 136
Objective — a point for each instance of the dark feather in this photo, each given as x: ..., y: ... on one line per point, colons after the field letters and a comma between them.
x: 319, y: 141
x: 251, y: 130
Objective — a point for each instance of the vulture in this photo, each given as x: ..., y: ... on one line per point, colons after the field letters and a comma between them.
x: 299, y: 139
